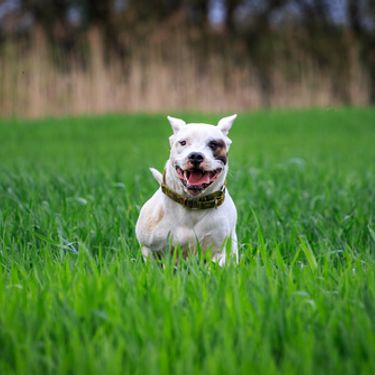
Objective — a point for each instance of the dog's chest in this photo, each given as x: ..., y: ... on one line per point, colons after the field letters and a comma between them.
x: 188, y: 229
x: 184, y: 235
x: 188, y: 238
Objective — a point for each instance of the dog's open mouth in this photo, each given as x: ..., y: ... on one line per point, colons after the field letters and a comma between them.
x: 197, y: 179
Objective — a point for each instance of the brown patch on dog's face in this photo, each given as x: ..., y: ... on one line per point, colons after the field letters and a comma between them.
x: 219, y: 150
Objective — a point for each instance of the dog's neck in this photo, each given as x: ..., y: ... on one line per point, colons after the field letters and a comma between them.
x: 174, y: 183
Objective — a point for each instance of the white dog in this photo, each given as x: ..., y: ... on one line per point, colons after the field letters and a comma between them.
x: 192, y: 204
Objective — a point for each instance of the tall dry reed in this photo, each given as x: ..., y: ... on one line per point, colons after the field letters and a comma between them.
x: 165, y: 76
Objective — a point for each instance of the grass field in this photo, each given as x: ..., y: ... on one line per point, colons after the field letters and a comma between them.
x: 76, y: 297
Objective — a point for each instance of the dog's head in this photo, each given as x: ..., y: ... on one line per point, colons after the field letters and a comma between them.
x: 199, y: 154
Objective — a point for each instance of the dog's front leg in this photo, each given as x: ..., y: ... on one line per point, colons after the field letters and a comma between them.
x: 228, y: 247
x: 234, y: 248
x: 146, y: 253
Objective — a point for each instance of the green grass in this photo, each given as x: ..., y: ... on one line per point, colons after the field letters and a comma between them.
x: 76, y: 297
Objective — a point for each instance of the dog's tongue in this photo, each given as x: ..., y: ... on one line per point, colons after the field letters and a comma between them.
x: 198, y: 178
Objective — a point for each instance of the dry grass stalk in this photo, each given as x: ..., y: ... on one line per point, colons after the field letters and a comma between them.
x: 32, y: 85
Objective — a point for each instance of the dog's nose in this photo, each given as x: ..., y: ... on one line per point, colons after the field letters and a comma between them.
x: 196, y: 158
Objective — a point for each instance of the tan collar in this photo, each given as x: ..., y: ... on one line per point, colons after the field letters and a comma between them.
x: 208, y: 201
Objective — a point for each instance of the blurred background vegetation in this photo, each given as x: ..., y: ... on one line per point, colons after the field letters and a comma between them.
x: 78, y: 56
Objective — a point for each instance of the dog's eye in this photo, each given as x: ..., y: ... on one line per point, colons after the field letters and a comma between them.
x: 182, y: 143
x: 213, y: 144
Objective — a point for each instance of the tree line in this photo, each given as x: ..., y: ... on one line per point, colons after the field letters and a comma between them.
x: 323, y: 29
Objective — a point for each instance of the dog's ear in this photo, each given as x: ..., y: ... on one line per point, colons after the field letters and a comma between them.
x: 176, y: 123
x: 226, y: 123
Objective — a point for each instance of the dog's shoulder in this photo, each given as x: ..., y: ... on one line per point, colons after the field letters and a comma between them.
x: 151, y: 214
